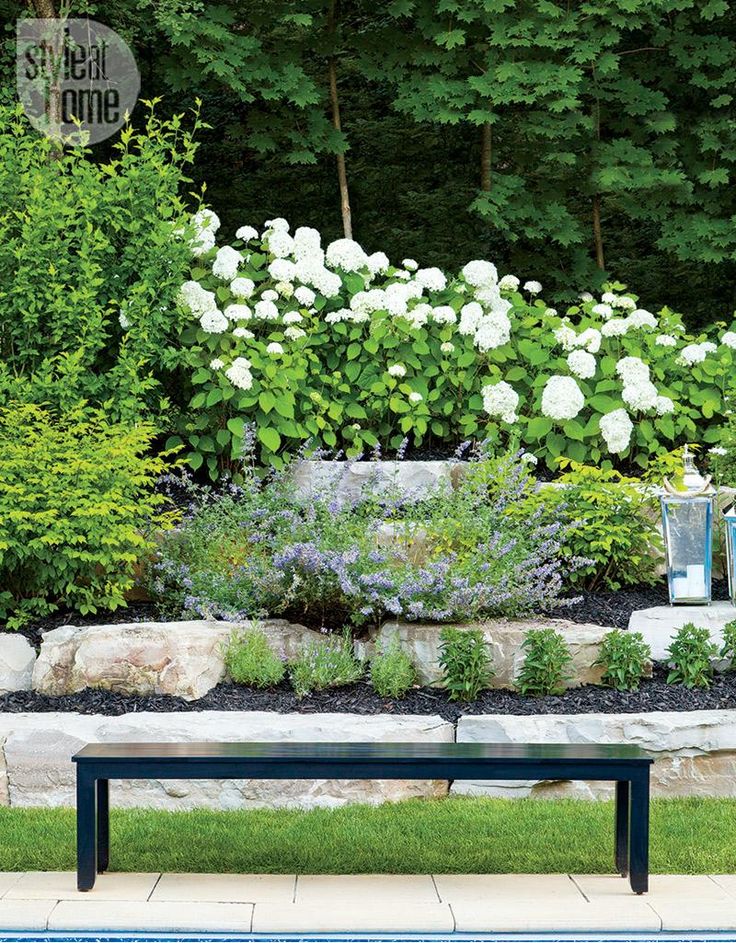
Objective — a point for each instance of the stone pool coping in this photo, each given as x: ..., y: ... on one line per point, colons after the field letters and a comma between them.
x: 496, y: 903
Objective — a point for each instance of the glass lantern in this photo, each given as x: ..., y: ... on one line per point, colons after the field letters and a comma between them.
x: 729, y: 521
x: 687, y: 524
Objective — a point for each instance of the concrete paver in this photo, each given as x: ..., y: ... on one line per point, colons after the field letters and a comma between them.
x: 62, y: 885
x: 226, y: 888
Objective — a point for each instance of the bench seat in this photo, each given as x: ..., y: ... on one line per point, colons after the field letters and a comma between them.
x: 625, y: 765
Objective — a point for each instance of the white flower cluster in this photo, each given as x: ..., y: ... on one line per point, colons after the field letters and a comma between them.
x: 616, y: 428
x: 501, y: 401
x: 562, y: 398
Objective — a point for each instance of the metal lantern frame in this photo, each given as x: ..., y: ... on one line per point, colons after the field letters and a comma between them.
x: 729, y: 523
x: 689, y: 581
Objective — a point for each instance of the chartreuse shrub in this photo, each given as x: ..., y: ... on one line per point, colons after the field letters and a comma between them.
x: 392, y: 671
x: 77, y: 509
x: 624, y: 657
x: 465, y: 659
x: 690, y: 657
x: 250, y: 659
x: 612, y: 525
x: 253, y: 549
x: 347, y: 350
x: 92, y: 254
x: 329, y: 664
x: 546, y: 661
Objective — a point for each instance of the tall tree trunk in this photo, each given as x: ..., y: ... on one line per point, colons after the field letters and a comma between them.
x: 485, y: 156
x: 597, y: 234
x: 342, y: 176
x: 46, y: 10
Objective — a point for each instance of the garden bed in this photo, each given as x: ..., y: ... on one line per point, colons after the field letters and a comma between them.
x: 360, y: 698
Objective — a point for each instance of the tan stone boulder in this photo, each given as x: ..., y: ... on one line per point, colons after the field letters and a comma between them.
x: 17, y: 657
x: 178, y: 658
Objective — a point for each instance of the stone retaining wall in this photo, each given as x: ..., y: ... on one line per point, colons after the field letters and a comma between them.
x: 695, y: 754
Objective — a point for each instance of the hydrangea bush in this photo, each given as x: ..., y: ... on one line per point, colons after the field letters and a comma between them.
x: 343, y: 348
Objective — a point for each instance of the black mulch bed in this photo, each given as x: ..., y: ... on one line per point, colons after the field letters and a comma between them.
x: 360, y: 698
x: 615, y: 608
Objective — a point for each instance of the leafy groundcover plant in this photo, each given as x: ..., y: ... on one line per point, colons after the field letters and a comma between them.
x: 342, y: 347
x: 691, y: 654
x: 624, y: 657
x: 252, y: 550
x: 77, y: 510
x: 546, y: 662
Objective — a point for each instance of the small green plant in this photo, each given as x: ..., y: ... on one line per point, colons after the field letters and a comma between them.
x: 250, y: 659
x: 466, y: 663
x: 392, y: 671
x: 329, y: 664
x: 624, y: 657
x: 691, y: 655
x: 728, y: 649
x: 545, y: 665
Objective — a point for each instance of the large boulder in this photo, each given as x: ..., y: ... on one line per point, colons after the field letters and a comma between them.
x: 17, y: 658
x: 37, y: 751
x: 694, y: 751
x: 177, y: 658
x: 504, y: 636
x: 660, y: 624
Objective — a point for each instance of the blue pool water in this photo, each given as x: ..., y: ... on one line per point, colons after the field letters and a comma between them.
x: 662, y: 937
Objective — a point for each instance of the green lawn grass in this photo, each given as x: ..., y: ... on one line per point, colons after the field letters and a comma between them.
x: 689, y: 836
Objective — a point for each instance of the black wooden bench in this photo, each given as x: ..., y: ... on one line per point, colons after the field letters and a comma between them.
x: 627, y: 766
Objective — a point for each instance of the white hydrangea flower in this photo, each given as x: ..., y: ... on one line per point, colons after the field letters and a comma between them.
x: 123, y: 320
x: 415, y: 397
x: 632, y: 369
x: 532, y: 287
x: 335, y: 317
x: 238, y: 313
x: 480, y: 274
x: 729, y: 339
x: 590, y: 340
x: 562, y: 398
x: 411, y: 264
x: 402, y: 274
x: 397, y: 370
x: 267, y: 310
x: 717, y: 450
x: 665, y: 340
x: 616, y: 327
x: 550, y: 312
x: 214, y: 322
x: 609, y: 297
x: 501, y: 401
x: 664, y: 405
x: 444, y: 314
x: 274, y: 349
x: 284, y: 289
x: 238, y: 373
x: 246, y: 233
x: 509, y: 283
x: 278, y: 225
x: 282, y: 270
x: 565, y: 336
x: 625, y: 303
x: 307, y: 241
x: 216, y: 364
x: 447, y: 347
x: 470, y: 318
x: 206, y: 219
x: 494, y: 330
x: 269, y: 295
x: 347, y: 255
x: 305, y: 296
x: 226, y: 262
x: 692, y: 354
x: 294, y: 333
x: 279, y: 243
x: 586, y: 297
x: 242, y: 287
x: 640, y: 395
x: 431, y: 279
x: 378, y: 263
x: 582, y: 364
x: 603, y: 310
x: 709, y: 347
x: 528, y: 458
x: 195, y: 298
x: 642, y: 318
x: 616, y: 428
x: 243, y: 332
x: 292, y: 317
x: 419, y: 315
x: 327, y: 283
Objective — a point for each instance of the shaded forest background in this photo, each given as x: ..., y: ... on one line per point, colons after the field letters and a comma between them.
x: 568, y: 142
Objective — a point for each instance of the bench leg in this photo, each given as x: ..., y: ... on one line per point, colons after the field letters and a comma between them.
x: 639, y: 834
x: 623, y: 800
x: 103, y: 824
x: 86, y: 838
